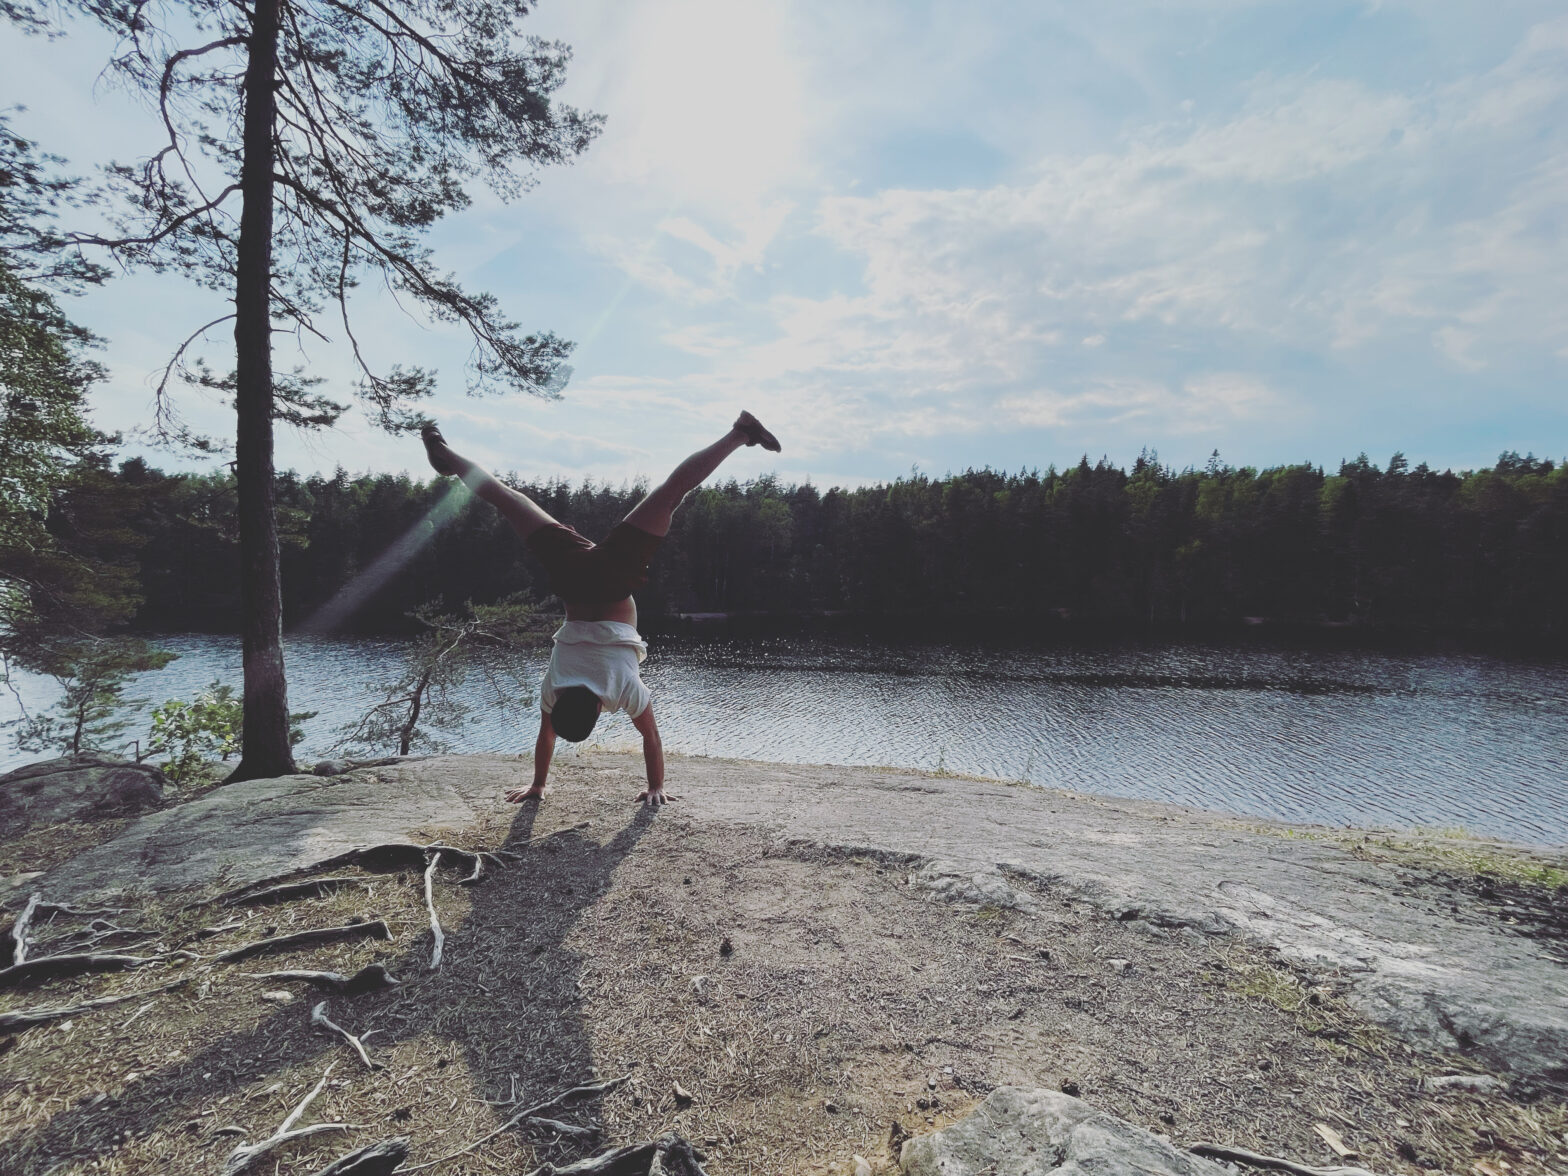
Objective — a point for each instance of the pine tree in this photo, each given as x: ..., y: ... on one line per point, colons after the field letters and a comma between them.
x: 309, y: 143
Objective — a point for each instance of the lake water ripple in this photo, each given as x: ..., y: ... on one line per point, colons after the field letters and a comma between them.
x: 1339, y: 737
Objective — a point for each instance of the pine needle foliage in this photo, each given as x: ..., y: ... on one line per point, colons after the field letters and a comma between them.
x: 474, y: 653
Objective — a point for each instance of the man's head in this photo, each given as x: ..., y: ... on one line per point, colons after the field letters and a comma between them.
x: 575, y: 712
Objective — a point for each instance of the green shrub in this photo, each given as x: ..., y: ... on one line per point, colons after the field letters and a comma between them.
x: 192, y: 733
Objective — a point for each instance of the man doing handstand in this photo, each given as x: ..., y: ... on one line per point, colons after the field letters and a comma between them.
x: 594, y: 665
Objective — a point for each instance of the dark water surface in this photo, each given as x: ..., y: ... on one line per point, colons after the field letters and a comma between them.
x: 1337, y: 737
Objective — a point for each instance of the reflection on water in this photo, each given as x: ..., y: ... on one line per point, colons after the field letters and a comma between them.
x: 1339, y: 737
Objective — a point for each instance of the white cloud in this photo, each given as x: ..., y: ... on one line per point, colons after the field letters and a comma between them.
x: 1219, y: 395
x: 1203, y: 404
x: 754, y: 232
x: 1324, y: 214
x: 1134, y: 246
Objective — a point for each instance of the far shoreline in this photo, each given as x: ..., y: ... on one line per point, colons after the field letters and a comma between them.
x: 1050, y: 627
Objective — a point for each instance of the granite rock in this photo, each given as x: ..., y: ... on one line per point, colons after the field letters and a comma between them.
x: 76, y: 786
x: 1019, y: 1132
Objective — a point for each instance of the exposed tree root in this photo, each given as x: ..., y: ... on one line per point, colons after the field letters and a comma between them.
x: 19, y: 930
x: 394, y: 855
x: 370, y: 930
x: 1241, y: 1156
x: 370, y: 978
x: 430, y: 905
x: 570, y: 1130
x: 532, y: 1112
x: 54, y: 967
x: 95, y: 933
x: 311, y: 888
x: 26, y: 1018
x: 669, y: 1155
x: 247, y: 1154
x: 219, y: 928
x: 379, y: 1159
x: 320, y: 1020
x: 403, y: 854
x: 60, y: 908
x: 633, y: 1159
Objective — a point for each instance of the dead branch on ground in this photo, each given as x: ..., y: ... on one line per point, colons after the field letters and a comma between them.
x: 247, y: 1154
x: 26, y: 1018
x: 430, y: 905
x: 320, y: 1020
x: 369, y: 930
x: 532, y: 1112
x: 370, y: 978
x: 1242, y: 1156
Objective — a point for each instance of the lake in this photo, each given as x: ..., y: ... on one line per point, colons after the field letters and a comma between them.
x: 1342, y: 737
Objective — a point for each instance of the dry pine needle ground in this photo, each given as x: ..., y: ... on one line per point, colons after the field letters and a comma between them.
x: 850, y: 1008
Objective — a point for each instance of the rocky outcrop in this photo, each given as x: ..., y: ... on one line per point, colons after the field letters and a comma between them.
x: 76, y: 786
x: 259, y: 828
x: 1464, y: 979
x: 1457, y: 979
x: 1018, y: 1132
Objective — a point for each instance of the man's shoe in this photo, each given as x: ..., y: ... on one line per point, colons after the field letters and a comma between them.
x: 755, y: 433
x: 435, y: 448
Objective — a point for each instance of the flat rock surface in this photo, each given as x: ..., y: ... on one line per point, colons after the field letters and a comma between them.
x: 1456, y: 979
x: 1466, y: 981
x: 1019, y: 1132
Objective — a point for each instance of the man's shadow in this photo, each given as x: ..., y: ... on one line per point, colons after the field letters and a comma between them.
x: 507, y: 993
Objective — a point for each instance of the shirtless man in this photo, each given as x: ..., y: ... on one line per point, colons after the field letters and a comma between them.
x: 594, y: 665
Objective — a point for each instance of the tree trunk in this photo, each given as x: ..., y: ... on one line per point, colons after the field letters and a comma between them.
x: 265, y: 748
x: 406, y: 736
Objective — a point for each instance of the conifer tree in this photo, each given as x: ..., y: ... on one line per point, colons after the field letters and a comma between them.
x: 308, y: 144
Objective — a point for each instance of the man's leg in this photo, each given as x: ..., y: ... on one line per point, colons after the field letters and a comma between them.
x: 654, y: 512
x: 525, y: 515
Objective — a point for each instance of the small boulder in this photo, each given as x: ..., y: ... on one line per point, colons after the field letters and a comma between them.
x: 1019, y: 1132
x: 77, y: 786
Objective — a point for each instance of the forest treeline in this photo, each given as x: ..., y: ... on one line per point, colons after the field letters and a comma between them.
x: 1396, y: 547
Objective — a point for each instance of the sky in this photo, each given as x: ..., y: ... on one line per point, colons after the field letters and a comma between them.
x: 940, y: 236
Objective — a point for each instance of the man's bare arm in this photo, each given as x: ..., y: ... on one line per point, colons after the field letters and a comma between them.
x: 544, y: 749
x: 652, y: 755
